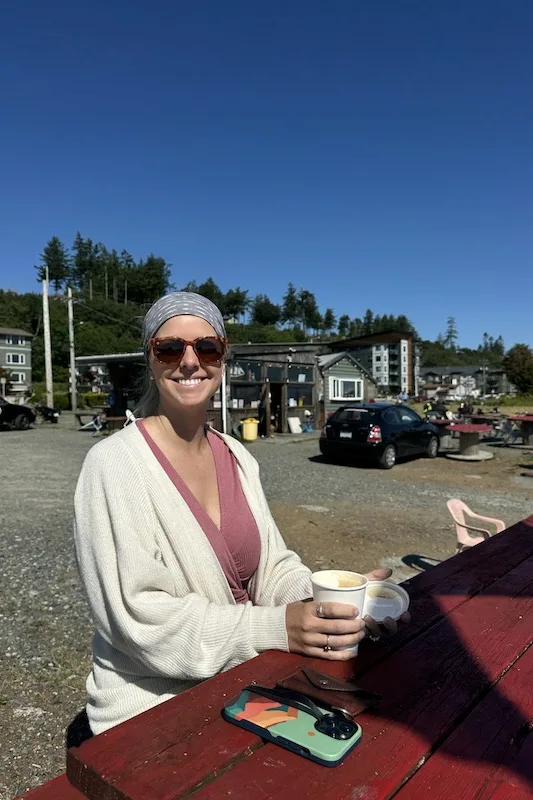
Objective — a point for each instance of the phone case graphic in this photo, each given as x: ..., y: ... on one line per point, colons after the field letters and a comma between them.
x: 289, y: 727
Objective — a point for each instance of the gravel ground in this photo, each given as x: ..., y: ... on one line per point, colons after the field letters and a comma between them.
x: 332, y: 515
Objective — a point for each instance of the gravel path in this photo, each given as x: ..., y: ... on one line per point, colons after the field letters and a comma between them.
x: 331, y: 514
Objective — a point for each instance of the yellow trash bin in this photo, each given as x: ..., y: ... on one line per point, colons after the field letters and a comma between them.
x: 249, y: 429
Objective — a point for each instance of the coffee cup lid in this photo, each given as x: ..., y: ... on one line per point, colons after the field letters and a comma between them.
x: 385, y: 599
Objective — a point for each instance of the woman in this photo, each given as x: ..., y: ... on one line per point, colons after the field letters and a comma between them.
x: 184, y: 568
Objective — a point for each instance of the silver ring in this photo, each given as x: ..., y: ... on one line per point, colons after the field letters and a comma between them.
x: 374, y: 638
x: 327, y: 648
x: 319, y: 611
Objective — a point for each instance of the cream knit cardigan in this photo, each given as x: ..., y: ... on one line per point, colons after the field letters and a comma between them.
x: 165, y: 616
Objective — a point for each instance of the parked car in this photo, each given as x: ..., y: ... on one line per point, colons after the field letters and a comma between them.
x: 378, y: 432
x: 13, y: 416
x: 48, y: 414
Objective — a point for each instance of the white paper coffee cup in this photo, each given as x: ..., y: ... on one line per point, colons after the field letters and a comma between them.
x: 340, y: 586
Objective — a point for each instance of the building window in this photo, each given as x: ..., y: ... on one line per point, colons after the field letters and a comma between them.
x: 378, y: 369
x: 17, y: 377
x: 300, y: 373
x: 275, y: 373
x: 245, y: 396
x: 378, y: 358
x: 345, y: 389
x: 16, y: 358
x: 15, y: 340
x: 298, y: 395
x: 245, y: 370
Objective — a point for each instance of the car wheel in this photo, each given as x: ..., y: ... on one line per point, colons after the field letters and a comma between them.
x: 21, y: 422
x: 433, y: 447
x: 388, y: 457
x: 326, y: 453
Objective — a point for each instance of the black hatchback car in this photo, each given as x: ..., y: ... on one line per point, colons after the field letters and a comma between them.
x: 378, y: 432
x: 13, y: 416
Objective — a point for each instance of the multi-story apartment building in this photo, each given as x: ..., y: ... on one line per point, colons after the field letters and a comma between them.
x: 392, y: 358
x: 15, y: 359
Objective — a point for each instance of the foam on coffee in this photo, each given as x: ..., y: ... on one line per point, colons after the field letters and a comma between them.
x: 337, y: 579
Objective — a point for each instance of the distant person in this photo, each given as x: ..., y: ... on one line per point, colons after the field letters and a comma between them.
x: 185, y: 570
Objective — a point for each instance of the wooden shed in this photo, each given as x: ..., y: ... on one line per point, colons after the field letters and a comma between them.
x: 344, y: 380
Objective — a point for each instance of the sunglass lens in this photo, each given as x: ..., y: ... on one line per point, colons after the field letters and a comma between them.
x: 210, y: 349
x: 169, y: 350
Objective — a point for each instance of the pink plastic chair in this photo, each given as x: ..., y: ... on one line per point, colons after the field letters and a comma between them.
x: 460, y: 512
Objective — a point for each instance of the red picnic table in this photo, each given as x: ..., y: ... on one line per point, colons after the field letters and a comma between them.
x: 469, y: 449
x: 526, y: 423
x: 454, y: 720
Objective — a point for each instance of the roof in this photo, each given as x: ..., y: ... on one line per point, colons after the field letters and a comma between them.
x: 16, y: 331
x: 384, y: 336
x: 329, y: 359
x: 109, y: 359
x: 372, y: 406
x: 469, y: 369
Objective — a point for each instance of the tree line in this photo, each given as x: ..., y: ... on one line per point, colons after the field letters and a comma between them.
x: 90, y: 268
x: 112, y: 291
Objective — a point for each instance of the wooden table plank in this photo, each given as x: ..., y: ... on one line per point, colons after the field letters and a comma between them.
x: 57, y: 789
x: 109, y: 759
x: 483, y: 750
x: 428, y: 685
x: 437, y: 591
x: 102, y: 761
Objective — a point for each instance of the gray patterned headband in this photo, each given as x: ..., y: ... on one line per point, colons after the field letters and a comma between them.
x: 176, y: 304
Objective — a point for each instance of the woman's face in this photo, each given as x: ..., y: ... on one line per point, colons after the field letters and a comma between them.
x: 189, y: 384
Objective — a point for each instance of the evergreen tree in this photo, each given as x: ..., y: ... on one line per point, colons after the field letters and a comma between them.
x: 210, y: 290
x: 356, y: 328
x: 329, y: 322
x: 290, y: 312
x: 264, y: 311
x: 308, y: 312
x: 236, y: 303
x: 368, y: 323
x: 451, y: 335
x: 56, y: 257
x: 344, y: 326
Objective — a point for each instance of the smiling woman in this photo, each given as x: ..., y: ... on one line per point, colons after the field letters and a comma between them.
x: 185, y: 570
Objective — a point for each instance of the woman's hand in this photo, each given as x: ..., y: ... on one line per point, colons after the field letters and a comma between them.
x: 339, y: 626
x: 389, y: 626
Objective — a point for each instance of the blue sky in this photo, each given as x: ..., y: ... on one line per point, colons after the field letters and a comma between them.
x: 377, y: 153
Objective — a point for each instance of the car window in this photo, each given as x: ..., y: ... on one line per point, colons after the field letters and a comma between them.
x: 391, y: 416
x: 355, y: 415
x: 406, y: 415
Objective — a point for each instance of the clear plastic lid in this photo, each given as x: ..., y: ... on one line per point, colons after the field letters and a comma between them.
x: 385, y: 599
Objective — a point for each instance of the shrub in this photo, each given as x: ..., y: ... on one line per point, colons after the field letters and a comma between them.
x: 92, y: 399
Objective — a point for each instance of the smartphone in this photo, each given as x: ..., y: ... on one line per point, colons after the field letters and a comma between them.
x: 290, y: 726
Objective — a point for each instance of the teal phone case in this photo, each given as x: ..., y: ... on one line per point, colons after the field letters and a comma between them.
x: 288, y: 727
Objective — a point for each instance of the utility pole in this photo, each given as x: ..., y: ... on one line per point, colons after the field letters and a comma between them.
x: 73, y: 387
x: 106, y: 286
x: 91, y: 289
x: 47, y: 345
x: 126, y: 292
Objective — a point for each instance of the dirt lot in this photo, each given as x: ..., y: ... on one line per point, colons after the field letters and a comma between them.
x: 332, y: 515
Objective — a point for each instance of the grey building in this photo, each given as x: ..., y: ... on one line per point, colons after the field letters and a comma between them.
x: 392, y: 358
x: 469, y: 380
x: 15, y: 359
x: 344, y: 380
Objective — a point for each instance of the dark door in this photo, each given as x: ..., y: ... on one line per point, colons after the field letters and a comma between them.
x: 397, y: 431
x: 276, y: 416
x: 416, y: 434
